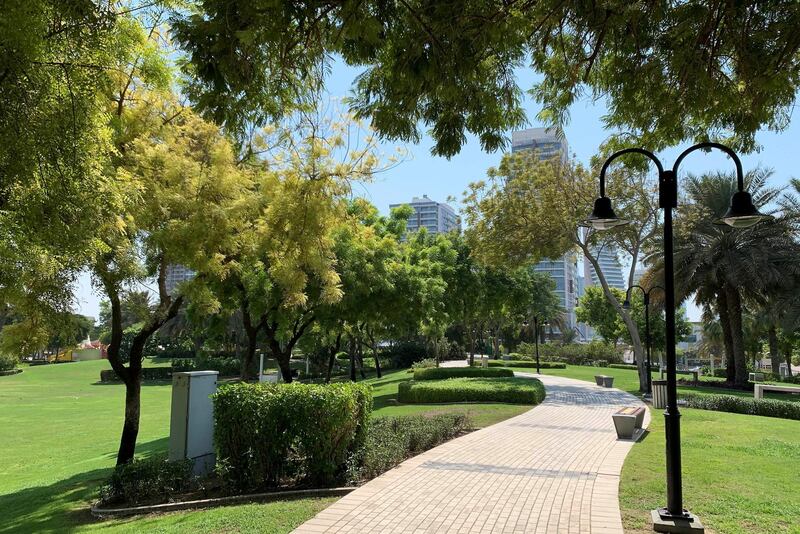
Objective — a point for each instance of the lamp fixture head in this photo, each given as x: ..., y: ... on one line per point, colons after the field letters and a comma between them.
x: 626, y: 305
x: 742, y: 213
x: 603, y: 216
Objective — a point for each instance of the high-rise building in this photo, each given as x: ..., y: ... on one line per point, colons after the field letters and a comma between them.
x: 436, y: 217
x: 548, y: 144
x: 609, y: 263
x: 177, y: 274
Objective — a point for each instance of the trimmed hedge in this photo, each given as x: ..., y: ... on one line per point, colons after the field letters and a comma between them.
x: 147, y: 480
x: 439, y: 373
x: 509, y: 390
x: 266, y: 432
x: 390, y: 440
x: 225, y: 366
x: 623, y: 366
x: 745, y: 405
x: 525, y: 364
x: 148, y: 373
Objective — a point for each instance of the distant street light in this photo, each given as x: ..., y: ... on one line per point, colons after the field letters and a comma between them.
x: 741, y: 214
x: 627, y: 306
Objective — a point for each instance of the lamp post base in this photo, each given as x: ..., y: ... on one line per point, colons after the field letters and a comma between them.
x: 687, y: 523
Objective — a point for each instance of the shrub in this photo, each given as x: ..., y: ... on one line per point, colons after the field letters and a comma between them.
x: 439, y: 373
x: 527, y: 364
x: 510, y: 390
x: 572, y: 353
x: 8, y: 362
x: 623, y: 366
x: 406, y: 353
x: 260, y: 427
x: 745, y: 405
x: 225, y: 366
x: 147, y: 480
x: 600, y: 363
x: 390, y: 440
x: 148, y: 373
x: 427, y: 363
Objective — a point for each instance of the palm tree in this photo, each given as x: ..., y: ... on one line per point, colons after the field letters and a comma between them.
x: 723, y: 266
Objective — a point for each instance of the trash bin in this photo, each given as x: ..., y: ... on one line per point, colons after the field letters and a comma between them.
x: 659, y: 393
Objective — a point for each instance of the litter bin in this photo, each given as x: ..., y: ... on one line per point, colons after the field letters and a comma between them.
x: 659, y: 393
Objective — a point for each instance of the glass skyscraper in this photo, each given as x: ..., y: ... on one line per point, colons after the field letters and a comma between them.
x: 436, y: 217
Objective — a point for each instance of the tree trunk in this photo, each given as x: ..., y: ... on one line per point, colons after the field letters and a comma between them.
x: 471, y: 342
x: 332, y: 359
x: 737, y: 334
x: 283, y: 358
x: 249, y: 356
x: 360, y: 353
x: 774, y: 355
x: 788, y: 363
x: 352, y: 360
x: 130, y: 428
x: 727, y: 335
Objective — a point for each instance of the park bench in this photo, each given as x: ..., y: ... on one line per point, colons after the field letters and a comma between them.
x: 628, y: 422
x: 694, y: 372
x: 759, y: 389
x: 603, y: 380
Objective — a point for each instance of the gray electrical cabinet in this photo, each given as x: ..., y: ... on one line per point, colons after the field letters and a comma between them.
x: 191, y: 432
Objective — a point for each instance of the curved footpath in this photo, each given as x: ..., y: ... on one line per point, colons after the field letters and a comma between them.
x: 552, y: 469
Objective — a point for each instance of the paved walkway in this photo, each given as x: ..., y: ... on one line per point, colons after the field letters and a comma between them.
x: 552, y: 469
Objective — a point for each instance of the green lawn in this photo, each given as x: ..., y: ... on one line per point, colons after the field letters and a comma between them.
x: 739, y: 473
x: 59, y: 432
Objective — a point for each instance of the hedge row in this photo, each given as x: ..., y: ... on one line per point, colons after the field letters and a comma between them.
x: 225, y: 366
x: 510, y: 390
x: 622, y: 366
x: 390, y: 440
x: 148, y: 373
x: 745, y: 405
x: 267, y: 432
x: 438, y: 373
x: 525, y: 364
x: 572, y: 353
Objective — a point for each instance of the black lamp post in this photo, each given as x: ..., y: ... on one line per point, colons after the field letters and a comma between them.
x: 627, y: 306
x: 536, y: 325
x: 741, y: 214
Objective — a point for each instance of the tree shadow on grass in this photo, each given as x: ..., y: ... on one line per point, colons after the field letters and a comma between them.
x: 62, y: 506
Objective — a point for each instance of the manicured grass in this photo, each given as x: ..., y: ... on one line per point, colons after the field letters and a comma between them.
x: 739, y: 473
x: 511, y: 390
x: 525, y: 363
x: 59, y: 432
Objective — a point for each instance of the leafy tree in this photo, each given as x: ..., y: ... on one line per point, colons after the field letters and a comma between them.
x: 668, y: 71
x: 596, y: 311
x: 529, y: 209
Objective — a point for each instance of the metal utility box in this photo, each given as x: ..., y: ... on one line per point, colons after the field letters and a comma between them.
x: 191, y: 431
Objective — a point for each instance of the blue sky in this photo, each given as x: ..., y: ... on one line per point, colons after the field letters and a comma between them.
x: 441, y: 178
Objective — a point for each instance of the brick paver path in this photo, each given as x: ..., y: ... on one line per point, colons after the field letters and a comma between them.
x: 552, y: 469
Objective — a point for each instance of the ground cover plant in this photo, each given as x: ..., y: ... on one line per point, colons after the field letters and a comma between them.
x: 511, y: 390
x: 53, y: 493
x: 736, y: 473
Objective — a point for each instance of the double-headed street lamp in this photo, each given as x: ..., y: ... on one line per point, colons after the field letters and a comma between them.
x: 627, y: 306
x: 741, y: 214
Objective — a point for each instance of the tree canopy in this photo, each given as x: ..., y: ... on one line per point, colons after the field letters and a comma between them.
x: 668, y: 71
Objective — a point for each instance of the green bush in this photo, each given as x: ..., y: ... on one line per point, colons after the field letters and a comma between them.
x: 528, y: 364
x: 623, y: 366
x: 153, y: 479
x: 148, y: 373
x: 8, y: 362
x: 225, y: 366
x: 427, y: 363
x: 745, y: 405
x: 439, y: 373
x: 405, y: 353
x: 390, y: 440
x: 572, y: 353
x: 264, y: 432
x: 510, y: 390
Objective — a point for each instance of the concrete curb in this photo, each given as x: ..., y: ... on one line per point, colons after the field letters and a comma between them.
x: 101, y: 512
